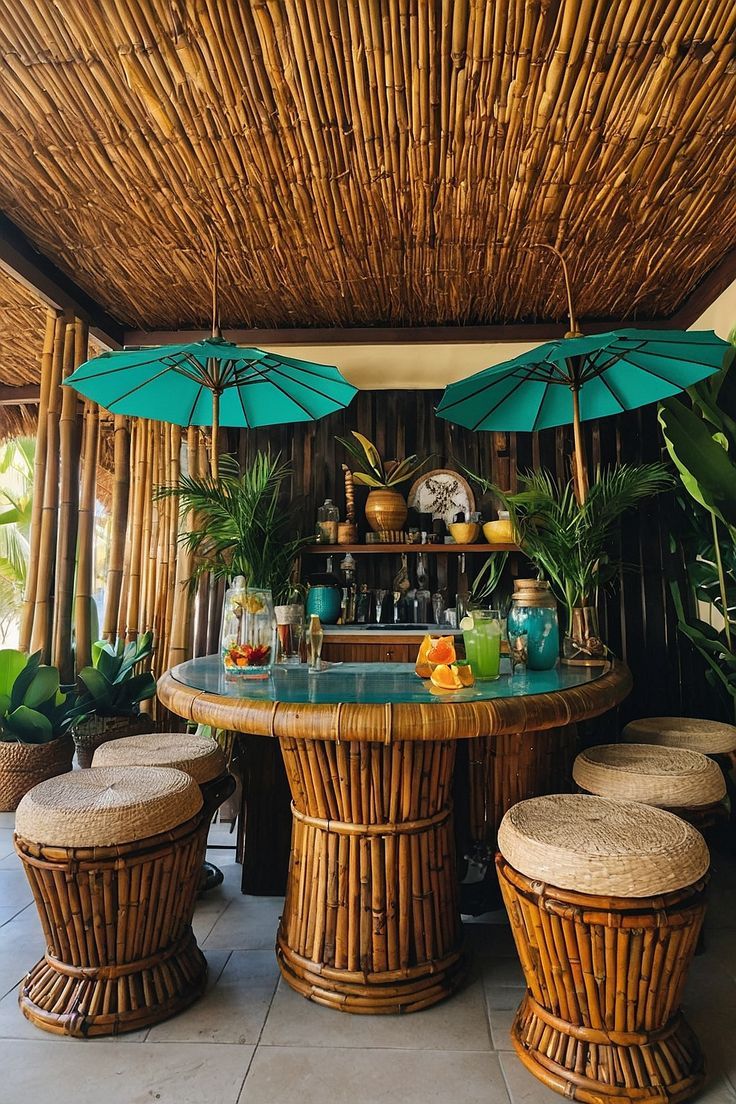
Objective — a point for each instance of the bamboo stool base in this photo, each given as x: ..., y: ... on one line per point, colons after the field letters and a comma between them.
x: 59, y: 998
x: 372, y: 994
x: 666, y: 1069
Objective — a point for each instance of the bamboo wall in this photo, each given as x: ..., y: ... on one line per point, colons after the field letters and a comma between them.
x: 146, y: 579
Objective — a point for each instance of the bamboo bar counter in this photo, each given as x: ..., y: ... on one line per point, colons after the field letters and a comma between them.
x: 371, y: 921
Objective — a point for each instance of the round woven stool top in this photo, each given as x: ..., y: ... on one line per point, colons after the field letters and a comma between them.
x: 708, y: 737
x: 104, y: 806
x: 199, y: 756
x: 601, y: 847
x: 655, y: 775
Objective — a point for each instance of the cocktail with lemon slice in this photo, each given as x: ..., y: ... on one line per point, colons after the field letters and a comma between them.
x: 482, y: 637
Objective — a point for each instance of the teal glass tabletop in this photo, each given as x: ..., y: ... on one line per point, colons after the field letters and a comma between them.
x: 370, y: 683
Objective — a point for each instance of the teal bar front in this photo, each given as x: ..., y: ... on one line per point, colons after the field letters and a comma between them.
x: 371, y: 683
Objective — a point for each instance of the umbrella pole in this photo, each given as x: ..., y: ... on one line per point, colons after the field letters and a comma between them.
x: 215, y: 433
x: 581, y: 466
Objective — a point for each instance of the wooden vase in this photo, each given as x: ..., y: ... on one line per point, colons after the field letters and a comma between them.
x: 385, y: 509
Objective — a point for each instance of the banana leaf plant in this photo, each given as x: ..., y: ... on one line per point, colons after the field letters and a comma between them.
x: 374, y: 472
x: 33, y: 707
x: 111, y: 687
x: 701, y: 440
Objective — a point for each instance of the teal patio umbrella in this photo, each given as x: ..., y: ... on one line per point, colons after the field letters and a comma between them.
x: 578, y: 378
x: 212, y: 382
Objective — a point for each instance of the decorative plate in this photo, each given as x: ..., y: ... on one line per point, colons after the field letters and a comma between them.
x: 442, y: 493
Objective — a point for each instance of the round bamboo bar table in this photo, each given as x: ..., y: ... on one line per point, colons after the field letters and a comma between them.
x: 371, y: 922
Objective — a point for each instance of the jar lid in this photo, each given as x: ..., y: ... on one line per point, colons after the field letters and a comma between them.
x: 531, y: 584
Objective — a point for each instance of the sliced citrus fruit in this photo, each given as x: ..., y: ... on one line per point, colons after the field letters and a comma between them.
x: 465, y: 673
x: 422, y: 667
x: 446, y: 677
x: 442, y: 651
x: 467, y: 624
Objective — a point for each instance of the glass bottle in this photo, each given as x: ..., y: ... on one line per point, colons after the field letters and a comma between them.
x: 328, y: 516
x: 315, y: 636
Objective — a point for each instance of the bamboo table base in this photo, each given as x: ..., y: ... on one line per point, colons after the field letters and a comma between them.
x: 370, y: 920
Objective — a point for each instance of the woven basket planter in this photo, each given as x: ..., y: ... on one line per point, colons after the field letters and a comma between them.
x: 22, y: 766
x: 91, y: 734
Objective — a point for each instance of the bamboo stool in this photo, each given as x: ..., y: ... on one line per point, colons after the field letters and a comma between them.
x: 113, y: 858
x: 686, y: 783
x: 606, y: 900
x: 371, y: 922
x: 200, y: 757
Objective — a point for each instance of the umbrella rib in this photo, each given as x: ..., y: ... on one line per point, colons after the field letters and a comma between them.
x: 614, y: 396
x: 300, y: 366
x: 265, y: 379
x: 651, y: 372
x: 486, y: 387
x: 194, y: 404
x: 138, y: 387
x: 242, y: 407
x: 275, y: 370
x: 539, y: 408
x: 668, y: 356
x: 500, y: 402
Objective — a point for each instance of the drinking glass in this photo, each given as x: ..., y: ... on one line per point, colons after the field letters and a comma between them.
x: 483, y: 643
x: 290, y: 641
x: 380, y: 599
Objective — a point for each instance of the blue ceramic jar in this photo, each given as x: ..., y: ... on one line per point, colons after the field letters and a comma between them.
x: 326, y: 602
x: 533, y: 613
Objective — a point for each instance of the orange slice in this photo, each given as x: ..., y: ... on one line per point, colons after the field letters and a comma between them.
x: 445, y: 677
x: 422, y: 667
x: 442, y: 651
x: 465, y: 674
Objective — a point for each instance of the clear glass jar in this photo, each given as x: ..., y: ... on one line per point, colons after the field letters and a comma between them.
x: 533, y: 614
x: 328, y: 516
x: 249, y: 637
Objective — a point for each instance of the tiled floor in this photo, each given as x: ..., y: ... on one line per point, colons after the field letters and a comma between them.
x: 251, y: 1040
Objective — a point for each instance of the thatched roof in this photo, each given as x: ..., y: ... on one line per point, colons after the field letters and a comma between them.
x: 22, y: 318
x: 367, y: 161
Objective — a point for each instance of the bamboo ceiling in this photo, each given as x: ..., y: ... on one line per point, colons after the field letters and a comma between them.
x: 22, y: 319
x: 372, y: 161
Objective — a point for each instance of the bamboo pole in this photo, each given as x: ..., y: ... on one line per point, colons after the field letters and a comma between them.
x: 75, y: 346
x: 86, y: 537
x: 42, y: 620
x: 118, y: 526
x: 180, y: 647
x: 39, y: 482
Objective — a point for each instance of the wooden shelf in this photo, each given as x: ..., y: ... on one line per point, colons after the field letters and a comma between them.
x: 432, y: 549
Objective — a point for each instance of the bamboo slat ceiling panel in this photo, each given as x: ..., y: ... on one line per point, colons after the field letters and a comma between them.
x: 372, y: 161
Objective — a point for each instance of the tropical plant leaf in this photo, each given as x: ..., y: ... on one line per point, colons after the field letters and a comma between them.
x: 372, y: 455
x: 43, y: 688
x: 29, y: 726
x: 12, y: 663
x: 706, y: 469
x: 366, y: 480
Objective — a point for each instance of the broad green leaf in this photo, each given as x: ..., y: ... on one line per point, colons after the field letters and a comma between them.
x: 12, y: 663
x: 30, y: 726
x: 372, y: 454
x: 24, y: 680
x: 98, y: 686
x: 43, y: 688
x: 706, y: 470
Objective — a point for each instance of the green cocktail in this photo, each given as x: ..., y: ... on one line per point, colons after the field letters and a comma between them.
x: 482, y: 638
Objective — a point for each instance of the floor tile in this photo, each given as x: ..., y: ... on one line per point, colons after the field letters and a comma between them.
x: 74, y: 1071
x: 349, y: 1076
x: 14, y: 888
x: 501, y: 1021
x: 459, y: 1023
x: 248, y: 923
x: 21, y: 946
x: 522, y: 1087
x: 234, y: 1008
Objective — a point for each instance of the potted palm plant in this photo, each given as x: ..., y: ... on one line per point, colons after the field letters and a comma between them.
x: 245, y: 529
x: 385, y: 508
x: 35, y: 722
x: 572, y: 544
x: 112, y: 693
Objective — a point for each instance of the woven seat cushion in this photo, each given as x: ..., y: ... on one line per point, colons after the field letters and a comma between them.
x: 655, y: 775
x: 601, y: 847
x: 104, y: 806
x: 708, y: 737
x: 201, y: 757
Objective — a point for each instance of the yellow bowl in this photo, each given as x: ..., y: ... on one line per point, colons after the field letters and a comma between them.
x: 499, y: 532
x: 464, y: 532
